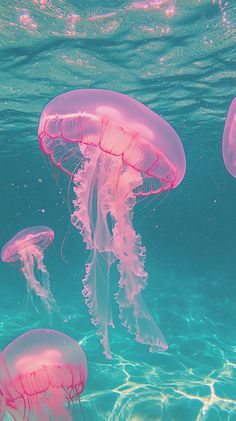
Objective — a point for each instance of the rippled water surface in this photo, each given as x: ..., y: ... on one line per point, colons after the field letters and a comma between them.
x: 179, y: 59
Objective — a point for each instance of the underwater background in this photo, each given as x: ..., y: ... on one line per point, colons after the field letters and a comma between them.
x: 179, y: 59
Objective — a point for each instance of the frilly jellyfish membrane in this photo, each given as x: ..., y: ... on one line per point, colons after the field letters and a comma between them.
x: 43, y: 372
x: 27, y: 247
x: 229, y: 140
x: 115, y: 149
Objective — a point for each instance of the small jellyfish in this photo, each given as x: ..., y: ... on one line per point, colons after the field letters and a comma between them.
x: 115, y: 149
x: 43, y: 372
x: 229, y: 140
x: 28, y: 247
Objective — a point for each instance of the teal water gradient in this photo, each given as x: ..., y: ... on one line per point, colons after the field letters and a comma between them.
x: 182, y: 65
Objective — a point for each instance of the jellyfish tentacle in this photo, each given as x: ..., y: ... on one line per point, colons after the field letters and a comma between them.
x: 50, y: 302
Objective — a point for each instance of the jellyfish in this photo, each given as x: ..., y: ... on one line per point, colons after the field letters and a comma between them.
x: 2, y: 402
x: 229, y: 140
x: 43, y: 372
x: 116, y: 150
x: 28, y: 247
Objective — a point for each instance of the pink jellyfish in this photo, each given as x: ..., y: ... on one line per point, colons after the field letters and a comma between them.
x: 43, y: 373
x: 229, y: 140
x: 27, y: 247
x: 115, y: 149
x: 2, y: 401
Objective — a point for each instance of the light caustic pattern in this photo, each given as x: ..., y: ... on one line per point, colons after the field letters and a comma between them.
x: 194, y: 381
x: 43, y: 373
x: 27, y: 247
x: 115, y: 149
x: 75, y: 23
x: 229, y: 140
x: 28, y: 19
x: 194, y: 399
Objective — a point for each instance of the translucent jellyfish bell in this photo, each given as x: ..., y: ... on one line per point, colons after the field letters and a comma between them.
x: 43, y: 374
x: 116, y: 124
x: 28, y: 247
x: 115, y: 149
x: 229, y: 140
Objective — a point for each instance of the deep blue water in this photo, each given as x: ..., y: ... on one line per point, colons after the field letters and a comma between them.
x: 178, y: 58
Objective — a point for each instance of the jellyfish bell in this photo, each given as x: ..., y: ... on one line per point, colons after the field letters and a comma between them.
x: 108, y: 112
x: 39, y: 235
x: 115, y: 149
x: 45, y: 373
x: 27, y: 247
x: 111, y: 121
x: 229, y: 140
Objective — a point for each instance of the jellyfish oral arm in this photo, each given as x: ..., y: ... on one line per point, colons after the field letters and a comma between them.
x: 90, y: 217
x: 27, y: 259
x: 103, y: 187
x: 29, y: 256
x: 97, y: 294
x: 134, y: 313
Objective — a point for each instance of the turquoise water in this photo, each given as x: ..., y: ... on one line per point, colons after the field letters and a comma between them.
x: 178, y: 58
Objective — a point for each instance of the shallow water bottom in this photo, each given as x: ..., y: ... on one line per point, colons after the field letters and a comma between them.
x: 193, y: 380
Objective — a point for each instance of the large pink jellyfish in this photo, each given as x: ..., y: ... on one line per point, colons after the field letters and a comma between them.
x: 43, y: 373
x: 229, y: 140
x: 116, y: 149
x: 28, y: 247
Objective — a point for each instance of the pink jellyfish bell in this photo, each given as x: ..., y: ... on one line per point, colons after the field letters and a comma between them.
x: 229, y: 140
x: 43, y: 374
x: 115, y: 149
x: 28, y: 247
